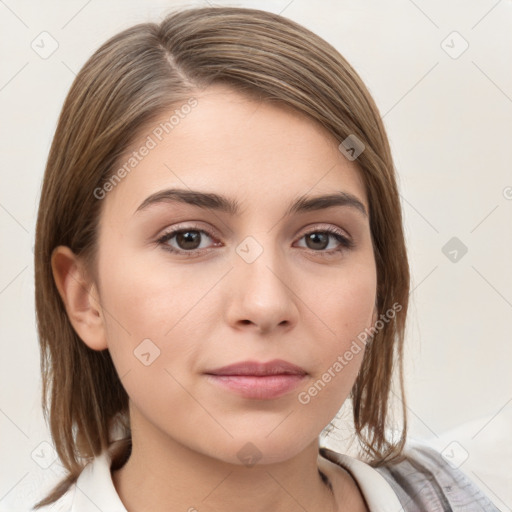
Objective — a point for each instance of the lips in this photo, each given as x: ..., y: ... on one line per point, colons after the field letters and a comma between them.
x: 253, y: 368
x: 258, y: 381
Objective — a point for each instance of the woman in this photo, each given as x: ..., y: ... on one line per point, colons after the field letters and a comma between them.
x: 220, y: 264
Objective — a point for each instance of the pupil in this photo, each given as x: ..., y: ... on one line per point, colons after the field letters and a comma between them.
x: 320, y: 239
x: 188, y: 239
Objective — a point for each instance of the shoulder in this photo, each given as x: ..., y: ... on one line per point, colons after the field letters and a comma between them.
x: 425, y: 481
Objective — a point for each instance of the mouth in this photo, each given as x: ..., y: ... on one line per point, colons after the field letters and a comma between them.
x: 258, y: 381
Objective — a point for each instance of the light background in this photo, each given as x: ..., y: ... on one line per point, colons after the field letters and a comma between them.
x: 449, y: 120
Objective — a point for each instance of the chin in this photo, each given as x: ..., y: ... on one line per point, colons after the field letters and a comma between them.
x: 260, y: 449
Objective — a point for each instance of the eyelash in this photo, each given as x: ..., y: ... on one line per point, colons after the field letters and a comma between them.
x: 344, y: 242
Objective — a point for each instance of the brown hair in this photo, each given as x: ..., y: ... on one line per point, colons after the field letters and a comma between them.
x: 136, y: 76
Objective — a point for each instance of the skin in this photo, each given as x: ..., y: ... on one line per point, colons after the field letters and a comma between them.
x: 214, y: 308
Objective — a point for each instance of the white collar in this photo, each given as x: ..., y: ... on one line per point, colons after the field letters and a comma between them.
x: 379, y: 495
x: 94, y: 490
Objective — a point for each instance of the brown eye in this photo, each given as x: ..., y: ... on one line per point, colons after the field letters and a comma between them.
x: 326, y: 241
x: 188, y: 240
x: 317, y: 240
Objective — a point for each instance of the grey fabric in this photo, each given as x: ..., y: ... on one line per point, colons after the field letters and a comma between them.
x: 425, y: 482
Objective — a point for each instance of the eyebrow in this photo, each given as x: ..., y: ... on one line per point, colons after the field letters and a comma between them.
x: 210, y: 200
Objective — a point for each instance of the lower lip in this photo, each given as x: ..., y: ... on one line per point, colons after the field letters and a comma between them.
x: 262, y: 387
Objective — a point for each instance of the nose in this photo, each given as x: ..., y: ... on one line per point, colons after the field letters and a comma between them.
x: 261, y: 296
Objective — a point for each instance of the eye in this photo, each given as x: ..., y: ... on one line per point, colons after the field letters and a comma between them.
x: 186, y: 240
x: 329, y: 240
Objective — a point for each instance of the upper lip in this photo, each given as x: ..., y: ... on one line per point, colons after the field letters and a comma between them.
x: 274, y: 367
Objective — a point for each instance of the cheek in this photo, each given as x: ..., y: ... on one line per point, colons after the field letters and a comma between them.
x: 151, y: 300
x: 344, y: 302
x: 345, y: 306
x: 155, y: 322
x: 144, y: 296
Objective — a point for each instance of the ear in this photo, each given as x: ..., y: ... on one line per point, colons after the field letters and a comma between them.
x: 80, y: 297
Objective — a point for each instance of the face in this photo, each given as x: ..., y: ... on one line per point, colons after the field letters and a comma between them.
x: 212, y: 253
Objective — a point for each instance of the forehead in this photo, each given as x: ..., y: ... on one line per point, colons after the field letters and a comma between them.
x: 233, y: 144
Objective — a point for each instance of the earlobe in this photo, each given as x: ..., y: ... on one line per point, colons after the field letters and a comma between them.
x: 80, y: 297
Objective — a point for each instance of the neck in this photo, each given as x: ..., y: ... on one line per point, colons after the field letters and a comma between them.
x: 162, y: 474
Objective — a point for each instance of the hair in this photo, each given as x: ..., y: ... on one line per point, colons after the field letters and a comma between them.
x: 130, y: 81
